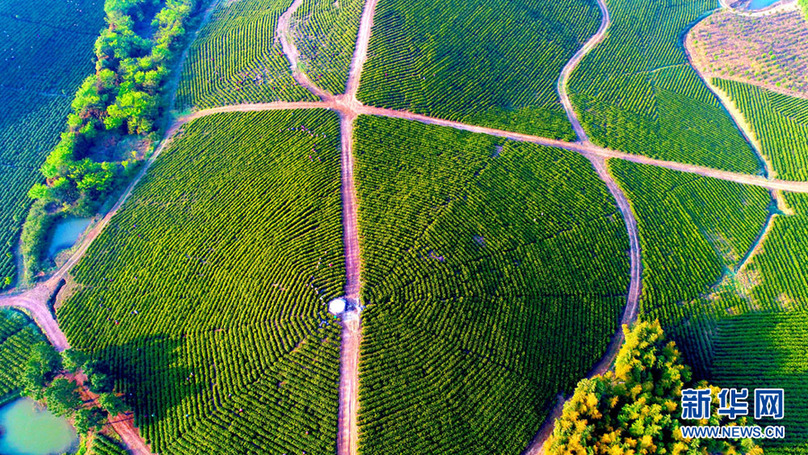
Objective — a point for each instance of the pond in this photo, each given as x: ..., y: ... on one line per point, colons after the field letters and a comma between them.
x: 28, y: 429
x: 66, y: 233
x: 760, y: 4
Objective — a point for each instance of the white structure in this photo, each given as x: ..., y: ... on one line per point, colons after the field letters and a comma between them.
x: 337, y: 306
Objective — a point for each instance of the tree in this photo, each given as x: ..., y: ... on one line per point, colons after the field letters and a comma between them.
x: 62, y: 397
x: 101, y: 382
x: 636, y: 409
x: 73, y: 360
x: 88, y: 419
x: 112, y: 403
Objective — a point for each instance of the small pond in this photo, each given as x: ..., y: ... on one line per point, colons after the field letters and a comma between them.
x: 28, y: 429
x: 760, y: 4
x: 66, y: 233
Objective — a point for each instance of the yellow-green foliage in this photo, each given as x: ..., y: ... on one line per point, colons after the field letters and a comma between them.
x: 635, y: 409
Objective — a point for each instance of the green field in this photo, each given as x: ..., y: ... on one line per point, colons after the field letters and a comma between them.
x: 206, y: 293
x: 780, y: 124
x: 325, y: 34
x: 47, y: 48
x: 17, y: 334
x: 637, y: 93
x: 237, y: 58
x: 760, y: 350
x: 494, y: 276
x: 483, y: 63
x: 694, y: 233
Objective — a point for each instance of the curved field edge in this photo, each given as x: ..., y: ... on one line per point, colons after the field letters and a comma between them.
x: 207, y: 292
x: 476, y: 63
x: 636, y: 91
x: 479, y: 258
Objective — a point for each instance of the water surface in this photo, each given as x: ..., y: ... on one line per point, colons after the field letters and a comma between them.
x: 760, y: 4
x: 29, y: 429
x: 66, y: 233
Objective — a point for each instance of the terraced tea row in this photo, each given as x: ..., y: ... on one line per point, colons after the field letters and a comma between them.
x: 208, y: 289
x: 476, y: 62
x: 635, y: 92
x: 237, y: 58
x: 780, y: 124
x: 494, y: 274
x: 760, y: 350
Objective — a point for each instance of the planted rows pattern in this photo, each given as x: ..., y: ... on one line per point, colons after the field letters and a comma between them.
x: 495, y: 273
x: 489, y: 64
x: 47, y: 49
x: 213, y: 276
x: 760, y: 350
x: 694, y: 233
x: 780, y: 124
x: 238, y: 58
x: 17, y: 335
x: 325, y: 35
x: 637, y: 93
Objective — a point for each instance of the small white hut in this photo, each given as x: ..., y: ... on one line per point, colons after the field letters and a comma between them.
x: 337, y: 306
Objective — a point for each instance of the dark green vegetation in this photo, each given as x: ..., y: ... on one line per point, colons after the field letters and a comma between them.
x: 495, y: 274
x: 122, y: 98
x: 780, y: 124
x: 636, y: 409
x: 636, y: 91
x: 768, y: 350
x: 206, y: 293
x: 693, y: 231
x: 326, y: 37
x: 238, y: 58
x: 104, y: 445
x: 694, y: 234
x: 47, y: 50
x: 18, y: 335
x: 493, y: 64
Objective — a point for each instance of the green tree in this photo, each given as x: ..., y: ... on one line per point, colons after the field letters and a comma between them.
x: 62, y: 397
x: 112, y: 403
x: 73, y: 360
x: 636, y: 409
x: 88, y: 419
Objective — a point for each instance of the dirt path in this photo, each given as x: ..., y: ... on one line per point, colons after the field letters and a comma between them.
x: 536, y: 446
x: 284, y: 33
x: 566, y: 72
x: 123, y: 424
x: 361, y: 49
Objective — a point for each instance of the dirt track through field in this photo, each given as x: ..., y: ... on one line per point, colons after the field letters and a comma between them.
x: 35, y: 301
x: 284, y: 33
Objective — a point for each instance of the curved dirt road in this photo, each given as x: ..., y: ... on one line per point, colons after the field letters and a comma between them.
x: 566, y: 72
x: 284, y: 33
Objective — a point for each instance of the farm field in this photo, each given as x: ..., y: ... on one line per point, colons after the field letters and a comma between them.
x: 780, y: 124
x: 206, y: 293
x: 47, y: 50
x: 637, y: 93
x: 237, y: 58
x: 325, y: 33
x: 490, y: 285
x: 695, y: 232
x: 769, y: 51
x: 490, y: 221
x: 482, y: 63
x: 765, y: 349
x: 18, y: 334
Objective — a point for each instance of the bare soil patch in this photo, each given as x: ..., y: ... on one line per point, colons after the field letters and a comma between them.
x: 769, y: 51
